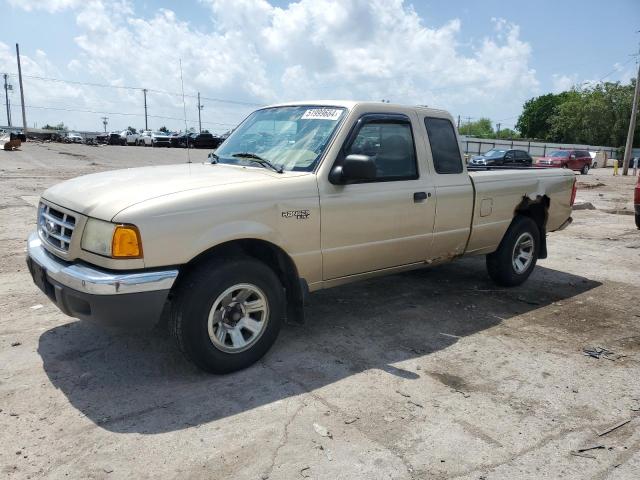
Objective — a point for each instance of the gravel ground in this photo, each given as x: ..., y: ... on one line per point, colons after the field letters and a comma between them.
x: 429, y: 374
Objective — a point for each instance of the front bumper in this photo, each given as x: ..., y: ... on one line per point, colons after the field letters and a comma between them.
x: 134, y: 298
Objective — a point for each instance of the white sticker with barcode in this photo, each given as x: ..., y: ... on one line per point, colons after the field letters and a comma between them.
x: 322, y: 114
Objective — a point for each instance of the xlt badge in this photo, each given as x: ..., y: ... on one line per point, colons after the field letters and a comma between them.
x: 299, y: 214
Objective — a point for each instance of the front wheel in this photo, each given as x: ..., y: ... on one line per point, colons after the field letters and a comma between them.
x: 514, y: 260
x: 584, y: 170
x: 226, y: 313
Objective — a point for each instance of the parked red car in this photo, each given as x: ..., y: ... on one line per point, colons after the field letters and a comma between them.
x: 578, y: 160
x: 636, y: 201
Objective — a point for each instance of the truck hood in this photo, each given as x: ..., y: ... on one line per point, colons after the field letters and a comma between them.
x: 103, y: 195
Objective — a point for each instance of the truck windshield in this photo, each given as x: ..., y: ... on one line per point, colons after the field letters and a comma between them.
x: 290, y: 138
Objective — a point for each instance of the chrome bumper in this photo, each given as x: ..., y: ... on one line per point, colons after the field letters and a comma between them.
x: 89, y: 280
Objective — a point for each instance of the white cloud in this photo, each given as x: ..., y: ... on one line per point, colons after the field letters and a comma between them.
x: 257, y: 52
x: 48, y: 5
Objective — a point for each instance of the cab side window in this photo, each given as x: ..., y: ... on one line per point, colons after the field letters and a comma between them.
x: 444, y: 145
x: 391, y: 146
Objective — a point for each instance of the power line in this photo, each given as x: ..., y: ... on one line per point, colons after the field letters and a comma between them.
x: 124, y: 87
x: 122, y: 114
x: 617, y: 69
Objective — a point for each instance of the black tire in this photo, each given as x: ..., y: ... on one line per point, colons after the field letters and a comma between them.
x: 638, y: 221
x: 584, y: 170
x: 195, y: 297
x: 500, y: 264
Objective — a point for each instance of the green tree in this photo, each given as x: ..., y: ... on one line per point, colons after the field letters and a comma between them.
x: 163, y: 129
x: 507, y: 133
x: 595, y: 115
x: 59, y: 126
x: 132, y: 130
x: 534, y: 119
x: 480, y: 128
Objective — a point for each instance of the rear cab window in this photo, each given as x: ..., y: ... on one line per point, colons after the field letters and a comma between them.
x: 444, y: 145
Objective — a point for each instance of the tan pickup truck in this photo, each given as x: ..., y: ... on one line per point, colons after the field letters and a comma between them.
x: 301, y: 197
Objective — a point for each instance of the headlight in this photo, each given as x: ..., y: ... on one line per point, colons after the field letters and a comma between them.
x: 111, y: 240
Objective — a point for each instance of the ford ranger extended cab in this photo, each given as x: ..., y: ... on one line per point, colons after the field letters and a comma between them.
x: 301, y: 197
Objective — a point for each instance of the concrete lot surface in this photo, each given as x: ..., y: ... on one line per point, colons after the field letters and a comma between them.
x: 430, y: 374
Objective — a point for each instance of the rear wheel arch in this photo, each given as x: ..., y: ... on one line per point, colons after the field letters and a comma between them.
x: 538, y: 211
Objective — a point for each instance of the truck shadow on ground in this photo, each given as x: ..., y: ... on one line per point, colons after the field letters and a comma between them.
x: 127, y: 382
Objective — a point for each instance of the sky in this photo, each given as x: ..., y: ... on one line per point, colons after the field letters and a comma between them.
x: 473, y: 58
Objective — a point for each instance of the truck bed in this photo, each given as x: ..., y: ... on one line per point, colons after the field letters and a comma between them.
x: 499, y: 193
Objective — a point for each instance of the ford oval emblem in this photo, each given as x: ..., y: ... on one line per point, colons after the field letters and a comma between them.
x: 50, y: 226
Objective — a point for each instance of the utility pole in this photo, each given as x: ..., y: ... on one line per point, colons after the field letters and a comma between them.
x: 105, y: 120
x: 632, y: 125
x: 146, y: 125
x: 7, y: 87
x: 498, y: 130
x: 458, y: 122
x: 200, y: 107
x: 24, y: 115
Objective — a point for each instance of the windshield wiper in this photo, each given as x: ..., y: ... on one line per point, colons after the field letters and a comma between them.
x: 259, y: 160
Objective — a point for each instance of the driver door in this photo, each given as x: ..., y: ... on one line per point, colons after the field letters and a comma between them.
x: 380, y: 223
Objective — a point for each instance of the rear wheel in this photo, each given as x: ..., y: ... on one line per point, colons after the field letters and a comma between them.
x: 584, y: 170
x: 514, y: 260
x: 227, y: 313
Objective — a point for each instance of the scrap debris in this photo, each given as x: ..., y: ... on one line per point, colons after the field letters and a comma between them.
x: 580, y: 451
x: 601, y: 352
x: 322, y: 431
x: 614, y: 427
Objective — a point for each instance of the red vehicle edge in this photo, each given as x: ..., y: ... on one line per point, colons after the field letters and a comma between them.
x: 578, y: 160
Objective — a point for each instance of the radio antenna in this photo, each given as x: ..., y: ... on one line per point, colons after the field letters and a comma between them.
x: 184, y: 110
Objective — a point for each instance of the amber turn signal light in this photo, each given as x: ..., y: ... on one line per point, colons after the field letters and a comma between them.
x: 126, y: 242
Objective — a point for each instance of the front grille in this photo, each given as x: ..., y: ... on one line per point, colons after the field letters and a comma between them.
x: 55, y: 227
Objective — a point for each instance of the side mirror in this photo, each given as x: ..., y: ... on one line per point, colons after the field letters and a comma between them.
x: 354, y: 167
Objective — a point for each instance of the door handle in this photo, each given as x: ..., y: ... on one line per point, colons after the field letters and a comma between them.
x: 420, y: 196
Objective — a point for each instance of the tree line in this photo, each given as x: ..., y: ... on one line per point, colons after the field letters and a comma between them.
x: 594, y: 115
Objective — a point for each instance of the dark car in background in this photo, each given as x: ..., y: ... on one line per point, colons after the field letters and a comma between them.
x: 196, y: 140
x: 578, y: 160
x: 178, y: 140
x: 116, y: 138
x: 204, y: 140
x: 502, y: 157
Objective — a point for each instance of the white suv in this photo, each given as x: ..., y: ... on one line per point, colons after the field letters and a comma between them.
x: 154, y: 139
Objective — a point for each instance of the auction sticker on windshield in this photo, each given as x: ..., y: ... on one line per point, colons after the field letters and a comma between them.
x: 322, y: 114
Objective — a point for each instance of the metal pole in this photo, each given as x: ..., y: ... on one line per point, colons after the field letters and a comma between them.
x: 104, y: 122
x: 498, y: 130
x: 24, y: 115
x: 632, y: 126
x: 146, y: 125
x: 458, y: 122
x: 199, y: 118
x: 6, y: 95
